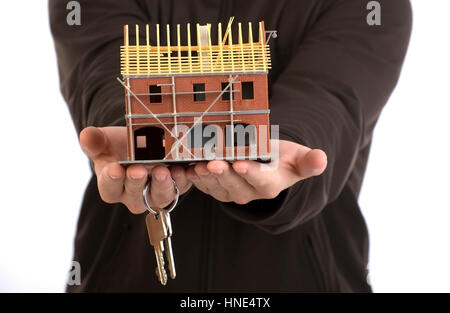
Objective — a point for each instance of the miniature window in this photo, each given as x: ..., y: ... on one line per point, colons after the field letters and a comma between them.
x: 155, y: 94
x: 243, y: 135
x: 141, y: 142
x: 199, y: 94
x: 247, y: 90
x: 198, y: 137
x: 226, y: 94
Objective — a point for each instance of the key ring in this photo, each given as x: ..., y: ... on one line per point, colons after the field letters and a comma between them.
x: 174, y: 202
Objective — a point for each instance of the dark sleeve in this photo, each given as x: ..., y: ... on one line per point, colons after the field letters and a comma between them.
x: 329, y: 97
x: 89, y: 58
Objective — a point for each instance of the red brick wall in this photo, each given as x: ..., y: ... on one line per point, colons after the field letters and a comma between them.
x: 185, y: 103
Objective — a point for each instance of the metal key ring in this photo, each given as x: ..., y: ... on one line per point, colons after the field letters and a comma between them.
x: 174, y: 202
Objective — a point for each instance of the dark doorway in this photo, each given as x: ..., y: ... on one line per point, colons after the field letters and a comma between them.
x: 148, y: 143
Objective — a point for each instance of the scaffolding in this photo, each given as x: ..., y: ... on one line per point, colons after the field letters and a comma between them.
x: 203, y: 58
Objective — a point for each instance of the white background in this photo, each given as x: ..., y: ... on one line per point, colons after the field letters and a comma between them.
x: 44, y: 173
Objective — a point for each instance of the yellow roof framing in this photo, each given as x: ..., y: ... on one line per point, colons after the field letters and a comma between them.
x: 204, y: 58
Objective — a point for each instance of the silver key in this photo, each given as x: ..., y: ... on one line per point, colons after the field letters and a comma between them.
x: 157, y: 233
x: 165, y: 216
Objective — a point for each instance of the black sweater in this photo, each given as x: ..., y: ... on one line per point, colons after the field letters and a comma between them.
x: 332, y: 74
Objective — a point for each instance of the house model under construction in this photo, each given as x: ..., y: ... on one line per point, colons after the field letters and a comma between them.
x: 198, y: 101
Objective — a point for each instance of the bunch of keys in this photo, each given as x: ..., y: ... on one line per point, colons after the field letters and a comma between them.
x: 159, y: 228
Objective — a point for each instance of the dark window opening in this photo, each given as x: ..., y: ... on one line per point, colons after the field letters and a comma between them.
x: 244, y: 135
x: 185, y: 54
x: 197, y: 137
x: 226, y: 94
x: 155, y: 94
x: 182, y: 54
x: 199, y: 94
x: 247, y: 90
x: 149, y: 143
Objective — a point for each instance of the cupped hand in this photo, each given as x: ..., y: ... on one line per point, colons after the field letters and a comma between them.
x: 105, y: 147
x: 244, y: 181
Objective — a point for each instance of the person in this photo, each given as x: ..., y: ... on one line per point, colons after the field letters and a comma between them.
x: 237, y: 228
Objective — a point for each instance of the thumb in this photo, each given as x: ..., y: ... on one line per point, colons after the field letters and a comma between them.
x: 93, y: 141
x: 312, y: 163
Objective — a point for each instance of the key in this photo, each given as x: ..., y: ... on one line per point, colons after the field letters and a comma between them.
x: 165, y: 215
x: 157, y: 234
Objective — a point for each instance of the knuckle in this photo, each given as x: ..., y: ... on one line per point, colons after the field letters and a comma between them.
x: 161, y: 188
x: 219, y: 194
x: 197, y: 170
x: 179, y: 181
x: 134, y: 206
x: 202, y: 188
x: 228, y: 185
x: 242, y: 200
x: 177, y: 174
x: 222, y: 198
x: 271, y: 194
x: 185, y: 188
x: 162, y: 198
x: 216, y: 189
x: 134, y: 189
x: 108, y: 198
x: 265, y: 185
x: 162, y: 204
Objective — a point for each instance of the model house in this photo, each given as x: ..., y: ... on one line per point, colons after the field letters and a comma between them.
x: 197, y: 100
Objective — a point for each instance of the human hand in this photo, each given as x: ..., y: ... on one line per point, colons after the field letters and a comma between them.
x: 244, y: 181
x: 105, y: 147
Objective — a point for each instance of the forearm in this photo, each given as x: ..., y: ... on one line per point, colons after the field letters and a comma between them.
x: 329, y: 96
x: 89, y: 58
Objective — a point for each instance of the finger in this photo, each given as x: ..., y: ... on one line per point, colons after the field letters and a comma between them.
x: 195, y: 179
x: 313, y: 163
x: 266, y: 182
x: 117, y: 141
x: 238, y: 188
x: 215, y: 189
x: 162, y: 191
x: 110, y: 183
x: 178, y: 174
x: 136, y: 178
x: 93, y: 142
